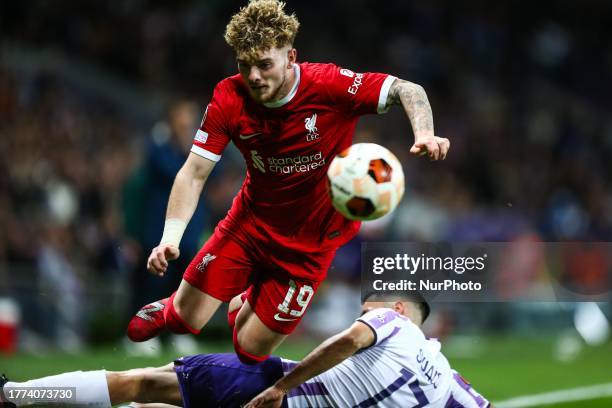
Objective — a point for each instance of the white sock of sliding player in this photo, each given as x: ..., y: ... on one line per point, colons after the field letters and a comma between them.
x: 88, y: 388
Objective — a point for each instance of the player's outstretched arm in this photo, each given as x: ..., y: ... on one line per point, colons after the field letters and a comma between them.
x: 414, y: 100
x: 182, y: 203
x: 328, y: 354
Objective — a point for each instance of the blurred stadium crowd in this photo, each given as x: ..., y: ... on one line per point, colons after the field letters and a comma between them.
x: 98, y: 102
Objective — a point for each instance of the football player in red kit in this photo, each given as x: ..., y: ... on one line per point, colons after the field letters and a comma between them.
x: 275, y: 245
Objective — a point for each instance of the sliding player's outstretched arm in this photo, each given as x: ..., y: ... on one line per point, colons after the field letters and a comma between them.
x: 328, y: 354
x: 414, y: 100
x: 182, y: 203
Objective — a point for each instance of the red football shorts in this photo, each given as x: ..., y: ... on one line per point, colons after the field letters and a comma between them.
x: 280, y: 284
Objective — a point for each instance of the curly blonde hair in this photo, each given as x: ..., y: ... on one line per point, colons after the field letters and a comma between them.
x: 261, y: 25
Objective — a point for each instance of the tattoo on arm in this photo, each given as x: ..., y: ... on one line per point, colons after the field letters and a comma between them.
x: 414, y: 100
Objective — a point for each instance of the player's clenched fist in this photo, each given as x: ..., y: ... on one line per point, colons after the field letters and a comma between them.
x: 433, y: 146
x: 157, y: 263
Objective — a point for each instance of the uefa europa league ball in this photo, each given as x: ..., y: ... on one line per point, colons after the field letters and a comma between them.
x: 366, y: 181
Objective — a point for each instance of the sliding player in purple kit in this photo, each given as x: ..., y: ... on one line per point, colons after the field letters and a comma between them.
x: 382, y: 360
x: 289, y: 120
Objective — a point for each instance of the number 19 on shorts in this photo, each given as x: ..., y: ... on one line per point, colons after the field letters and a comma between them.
x: 303, y: 299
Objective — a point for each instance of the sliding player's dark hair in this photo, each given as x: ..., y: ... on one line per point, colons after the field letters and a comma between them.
x: 425, y: 310
x: 369, y: 296
x: 414, y: 297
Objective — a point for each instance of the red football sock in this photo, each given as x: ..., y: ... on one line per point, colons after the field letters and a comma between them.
x: 245, y: 356
x: 174, y: 322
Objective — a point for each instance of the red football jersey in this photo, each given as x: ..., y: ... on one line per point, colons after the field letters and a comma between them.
x: 288, y: 146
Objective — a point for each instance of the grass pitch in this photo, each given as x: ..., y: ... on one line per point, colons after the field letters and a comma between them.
x: 499, y: 368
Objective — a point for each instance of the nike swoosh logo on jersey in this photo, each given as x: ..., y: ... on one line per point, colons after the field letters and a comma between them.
x: 282, y: 319
x: 245, y: 137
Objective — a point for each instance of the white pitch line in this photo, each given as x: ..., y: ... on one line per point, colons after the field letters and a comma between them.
x: 553, y: 397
